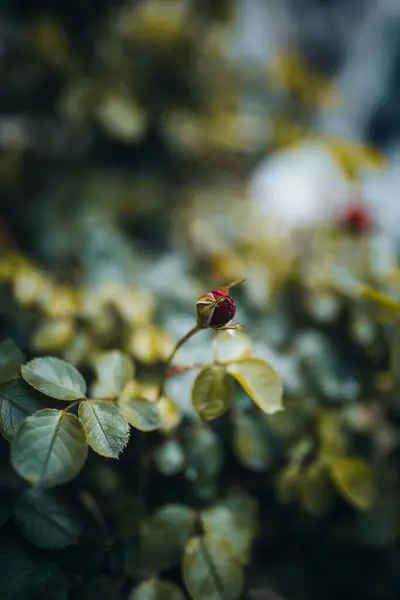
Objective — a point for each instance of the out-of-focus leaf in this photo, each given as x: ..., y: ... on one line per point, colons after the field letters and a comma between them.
x: 16, y: 570
x: 53, y: 335
x: 141, y: 413
x: 121, y: 117
x: 250, y: 442
x: 260, y: 381
x: 235, y: 523
x: 388, y: 308
x: 150, y: 343
x: 107, y: 431
x: 231, y: 345
x: 156, y: 589
x: 28, y: 286
x: 378, y: 527
x: 210, y: 571
x: 203, y: 455
x: 114, y: 370
x: 11, y: 359
x: 49, y: 582
x: 170, y: 414
x: 355, y: 480
x: 162, y: 538
x: 49, y: 448
x: 287, y: 484
x: 55, y: 378
x: 211, y: 393
x: 17, y: 401
x: 100, y: 586
x: 45, y: 521
x: 169, y: 458
x: 395, y: 358
x: 316, y: 494
x: 333, y: 442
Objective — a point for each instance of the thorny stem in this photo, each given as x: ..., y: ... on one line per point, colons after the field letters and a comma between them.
x: 171, y: 357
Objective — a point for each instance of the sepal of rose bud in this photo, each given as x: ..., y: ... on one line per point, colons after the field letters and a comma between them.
x: 230, y: 326
x: 205, y: 307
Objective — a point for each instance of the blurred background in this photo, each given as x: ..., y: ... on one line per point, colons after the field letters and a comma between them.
x: 152, y: 150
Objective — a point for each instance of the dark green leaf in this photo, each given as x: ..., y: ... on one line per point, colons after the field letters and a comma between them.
x: 395, y: 358
x: 107, y: 430
x: 49, y: 448
x: 17, y: 402
x: 210, y: 571
x: 55, y: 378
x: 99, y: 588
x: 140, y: 413
x: 45, y: 521
x: 16, y: 570
x: 250, y: 442
x: 11, y: 359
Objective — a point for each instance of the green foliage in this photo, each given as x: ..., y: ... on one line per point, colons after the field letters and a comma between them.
x: 45, y: 521
x: 210, y: 570
x: 55, y: 378
x: 49, y: 448
x: 17, y: 402
x: 211, y: 393
x: 114, y: 370
x: 107, y: 431
x: 260, y: 381
x: 11, y: 359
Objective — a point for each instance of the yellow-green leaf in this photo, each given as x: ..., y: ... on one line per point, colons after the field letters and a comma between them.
x: 231, y: 345
x: 389, y: 308
x: 114, y: 370
x: 55, y: 378
x: 211, y: 393
x: 156, y: 589
x: 315, y: 490
x: 106, y: 428
x: 260, y: 381
x: 210, y: 571
x: 355, y: 480
x: 139, y: 412
x: 49, y: 448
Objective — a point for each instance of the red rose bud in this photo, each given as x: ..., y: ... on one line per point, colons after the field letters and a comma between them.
x: 215, y: 309
x: 356, y: 219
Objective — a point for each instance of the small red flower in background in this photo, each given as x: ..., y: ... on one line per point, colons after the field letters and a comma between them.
x: 215, y: 309
x: 356, y: 219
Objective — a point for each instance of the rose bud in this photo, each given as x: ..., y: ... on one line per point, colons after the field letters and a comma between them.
x: 215, y: 309
x: 356, y: 219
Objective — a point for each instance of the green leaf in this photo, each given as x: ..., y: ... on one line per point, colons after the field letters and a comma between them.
x: 55, y: 378
x: 315, y: 489
x: 106, y: 428
x: 169, y: 458
x: 45, y: 521
x: 163, y: 537
x: 355, y: 480
x: 211, y: 393
x: 210, y: 571
x: 395, y: 358
x: 48, y: 582
x: 235, y: 522
x: 140, y: 413
x: 231, y: 345
x: 11, y: 359
x: 16, y: 570
x: 17, y: 402
x: 251, y: 442
x: 49, y: 448
x: 287, y: 484
x: 156, y: 589
x: 114, y: 370
x: 260, y: 381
